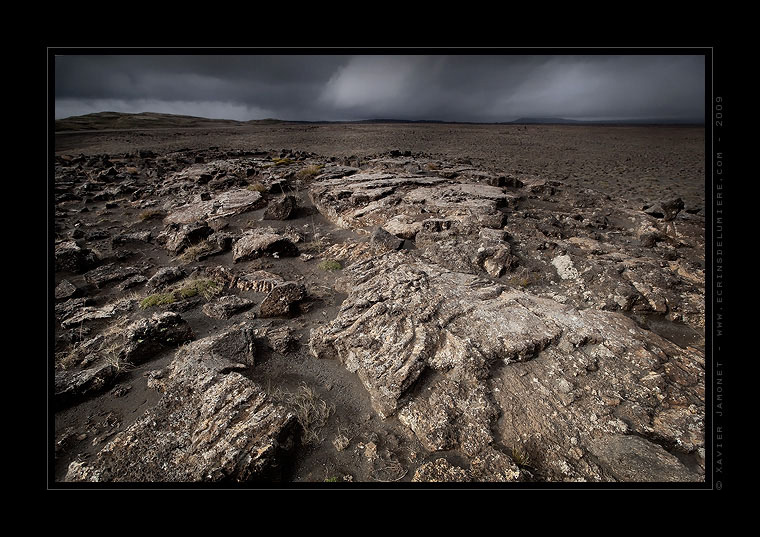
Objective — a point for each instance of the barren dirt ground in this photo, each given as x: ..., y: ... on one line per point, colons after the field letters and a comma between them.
x: 641, y: 165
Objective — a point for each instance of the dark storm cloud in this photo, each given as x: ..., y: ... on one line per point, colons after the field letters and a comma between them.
x: 457, y: 87
x: 280, y: 85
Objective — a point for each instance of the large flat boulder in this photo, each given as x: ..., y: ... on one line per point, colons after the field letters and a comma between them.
x: 229, y: 203
x: 260, y: 244
x: 370, y: 199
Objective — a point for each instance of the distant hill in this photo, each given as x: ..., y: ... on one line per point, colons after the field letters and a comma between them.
x: 144, y: 120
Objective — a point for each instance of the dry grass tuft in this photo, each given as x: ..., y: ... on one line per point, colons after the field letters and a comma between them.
x: 524, y: 279
x: 520, y: 456
x: 311, y: 411
x: 309, y: 171
x: 390, y: 473
x: 258, y: 187
x: 192, y: 253
x: 151, y: 214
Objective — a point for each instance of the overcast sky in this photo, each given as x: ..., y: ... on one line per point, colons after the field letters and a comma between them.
x: 485, y: 88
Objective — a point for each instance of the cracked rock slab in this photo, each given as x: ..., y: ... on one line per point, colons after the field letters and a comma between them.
x: 464, y: 361
x: 211, y: 424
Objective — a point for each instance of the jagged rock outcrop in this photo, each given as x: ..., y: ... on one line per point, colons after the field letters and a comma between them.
x: 165, y: 276
x: 71, y: 257
x: 137, y: 236
x: 110, y: 273
x: 211, y: 424
x: 282, y: 298
x: 457, y: 224
x: 70, y: 386
x: 466, y: 248
x: 84, y: 314
x: 387, y: 241
x: 278, y: 338
x: 464, y: 361
x: 509, y: 341
x: 144, y: 338
x: 65, y: 290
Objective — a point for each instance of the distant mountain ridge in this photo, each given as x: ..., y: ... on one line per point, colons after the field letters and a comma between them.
x: 148, y: 120
x: 563, y: 121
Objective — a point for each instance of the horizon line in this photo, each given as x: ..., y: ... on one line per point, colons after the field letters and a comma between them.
x: 520, y: 120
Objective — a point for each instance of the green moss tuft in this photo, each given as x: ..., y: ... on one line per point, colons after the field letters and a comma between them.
x: 157, y: 299
x: 330, y: 265
x: 204, y: 287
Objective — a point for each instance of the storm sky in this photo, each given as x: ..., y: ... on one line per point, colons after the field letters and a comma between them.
x: 475, y: 88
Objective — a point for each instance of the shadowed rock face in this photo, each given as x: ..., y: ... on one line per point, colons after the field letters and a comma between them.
x: 211, y: 424
x: 176, y: 238
x: 464, y: 361
x: 281, y: 208
x: 71, y: 257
